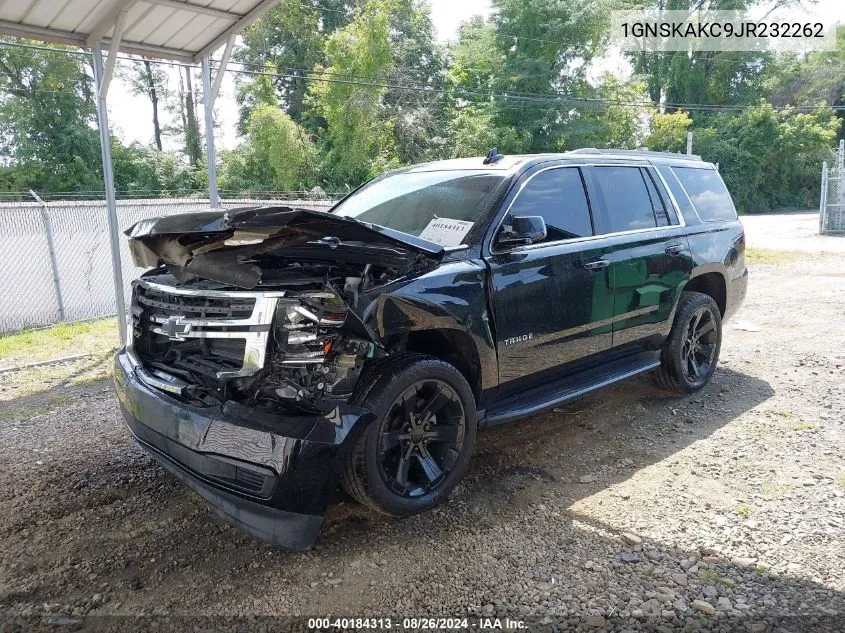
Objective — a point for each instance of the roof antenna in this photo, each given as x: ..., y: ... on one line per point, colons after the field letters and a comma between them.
x: 493, y: 156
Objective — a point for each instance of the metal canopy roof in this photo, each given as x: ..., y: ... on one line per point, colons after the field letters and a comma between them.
x: 182, y: 30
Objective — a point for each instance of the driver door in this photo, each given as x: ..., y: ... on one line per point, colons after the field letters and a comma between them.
x: 552, y: 300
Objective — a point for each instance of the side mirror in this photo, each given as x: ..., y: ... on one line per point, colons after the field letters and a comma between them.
x: 522, y: 229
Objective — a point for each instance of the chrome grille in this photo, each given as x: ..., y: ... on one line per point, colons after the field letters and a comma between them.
x: 166, y: 303
x: 220, y: 332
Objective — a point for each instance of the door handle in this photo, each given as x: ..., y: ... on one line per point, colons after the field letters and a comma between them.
x: 675, y: 249
x: 597, y: 264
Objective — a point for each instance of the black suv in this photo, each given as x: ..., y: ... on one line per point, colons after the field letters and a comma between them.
x: 276, y: 351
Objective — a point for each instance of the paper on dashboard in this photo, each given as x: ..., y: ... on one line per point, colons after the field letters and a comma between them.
x: 445, y: 231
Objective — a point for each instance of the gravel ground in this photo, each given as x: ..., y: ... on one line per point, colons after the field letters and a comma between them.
x: 626, y: 510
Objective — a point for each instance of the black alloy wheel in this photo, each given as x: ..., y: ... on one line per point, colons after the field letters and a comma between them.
x: 419, y: 446
x: 691, y: 351
x: 421, y: 438
x: 700, y: 342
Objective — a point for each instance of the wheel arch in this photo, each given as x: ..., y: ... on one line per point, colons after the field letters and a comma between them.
x: 711, y: 283
x: 452, y: 346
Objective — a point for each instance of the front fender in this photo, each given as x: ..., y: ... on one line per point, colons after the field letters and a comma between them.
x: 452, y: 297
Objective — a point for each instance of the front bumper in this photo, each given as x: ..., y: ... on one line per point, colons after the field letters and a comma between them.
x: 271, y: 475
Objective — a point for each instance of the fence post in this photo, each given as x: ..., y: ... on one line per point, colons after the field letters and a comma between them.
x: 839, y: 224
x: 823, y: 199
x: 689, y: 143
x: 54, y: 266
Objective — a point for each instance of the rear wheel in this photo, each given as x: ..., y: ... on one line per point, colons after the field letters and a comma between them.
x: 411, y: 457
x: 691, y: 351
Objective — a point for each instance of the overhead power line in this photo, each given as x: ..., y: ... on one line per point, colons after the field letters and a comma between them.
x: 457, y: 93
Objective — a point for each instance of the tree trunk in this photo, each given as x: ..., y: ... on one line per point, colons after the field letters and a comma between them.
x: 154, y: 98
x: 192, y: 131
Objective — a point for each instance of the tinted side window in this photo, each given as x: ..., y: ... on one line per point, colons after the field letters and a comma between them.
x: 558, y: 195
x: 707, y: 192
x: 626, y: 199
x: 677, y: 190
x: 656, y: 201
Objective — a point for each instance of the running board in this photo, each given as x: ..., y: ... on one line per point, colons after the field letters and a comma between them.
x: 545, y: 397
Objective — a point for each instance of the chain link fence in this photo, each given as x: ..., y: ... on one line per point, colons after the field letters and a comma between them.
x: 832, y: 206
x: 55, y: 258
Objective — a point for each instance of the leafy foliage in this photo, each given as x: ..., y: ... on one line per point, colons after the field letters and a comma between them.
x: 335, y: 91
x: 357, y: 139
x: 47, y: 131
x: 669, y: 131
x: 770, y: 159
x: 277, y: 155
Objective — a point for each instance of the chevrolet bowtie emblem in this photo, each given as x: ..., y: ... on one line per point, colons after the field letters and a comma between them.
x: 174, y: 327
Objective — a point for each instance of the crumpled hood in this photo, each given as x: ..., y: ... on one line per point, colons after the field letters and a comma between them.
x: 215, y: 244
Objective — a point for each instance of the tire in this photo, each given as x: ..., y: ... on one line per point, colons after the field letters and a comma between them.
x: 677, y: 373
x: 419, y: 446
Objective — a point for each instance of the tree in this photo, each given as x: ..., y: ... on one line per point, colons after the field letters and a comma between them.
x: 669, y: 131
x: 288, y: 41
x: 47, y: 125
x: 150, y: 80
x: 356, y: 141
x: 817, y: 78
x: 190, y: 130
x: 254, y: 93
x: 144, y: 171
x: 416, y: 107
x: 770, y: 159
x: 276, y: 155
x: 475, y: 71
x: 473, y: 132
x: 619, y: 122
x: 546, y: 46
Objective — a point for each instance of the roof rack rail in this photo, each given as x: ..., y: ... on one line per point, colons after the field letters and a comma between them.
x: 635, y: 152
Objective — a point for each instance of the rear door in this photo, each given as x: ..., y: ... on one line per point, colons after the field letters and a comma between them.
x: 648, y: 253
x: 552, y: 300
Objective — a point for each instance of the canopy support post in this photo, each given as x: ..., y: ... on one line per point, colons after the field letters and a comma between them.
x: 108, y: 181
x: 208, y: 102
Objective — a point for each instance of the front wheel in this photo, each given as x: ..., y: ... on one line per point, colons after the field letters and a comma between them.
x: 411, y: 457
x: 691, y: 351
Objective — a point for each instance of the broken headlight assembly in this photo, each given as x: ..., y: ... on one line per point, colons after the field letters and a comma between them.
x: 313, y: 358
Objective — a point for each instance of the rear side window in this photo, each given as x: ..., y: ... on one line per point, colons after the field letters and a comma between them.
x: 557, y: 195
x: 656, y: 201
x: 627, y: 200
x: 677, y: 190
x: 707, y: 192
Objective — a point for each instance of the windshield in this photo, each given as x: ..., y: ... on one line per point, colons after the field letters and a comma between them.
x: 440, y: 206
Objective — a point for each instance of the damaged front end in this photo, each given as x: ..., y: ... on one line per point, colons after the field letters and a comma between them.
x: 258, y: 306
x: 246, y: 343
x: 277, y: 348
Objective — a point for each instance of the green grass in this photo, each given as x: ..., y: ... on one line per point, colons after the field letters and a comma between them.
x: 803, y: 426
x: 64, y: 339
x: 78, y: 374
x: 772, y: 490
x: 708, y: 575
x: 755, y: 255
x: 744, y: 510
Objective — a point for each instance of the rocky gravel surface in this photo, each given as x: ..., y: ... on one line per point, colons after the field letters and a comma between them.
x: 627, y: 510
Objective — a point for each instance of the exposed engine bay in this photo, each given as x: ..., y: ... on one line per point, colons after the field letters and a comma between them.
x: 262, y: 315
x: 310, y: 353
